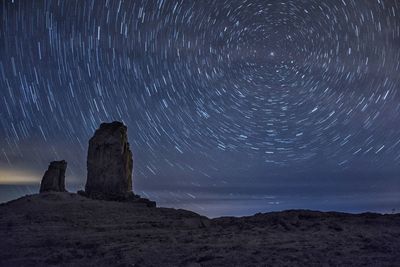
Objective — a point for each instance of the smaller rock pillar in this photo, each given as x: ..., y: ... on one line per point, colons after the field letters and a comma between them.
x: 54, y: 177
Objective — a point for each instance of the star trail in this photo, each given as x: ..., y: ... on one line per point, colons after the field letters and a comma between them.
x: 222, y: 99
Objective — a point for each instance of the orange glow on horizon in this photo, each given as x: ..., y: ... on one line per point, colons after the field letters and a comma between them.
x: 10, y: 176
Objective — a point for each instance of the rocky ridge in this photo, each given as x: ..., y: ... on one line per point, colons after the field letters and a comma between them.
x: 65, y: 229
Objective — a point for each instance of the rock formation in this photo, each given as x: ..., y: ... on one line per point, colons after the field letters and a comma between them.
x: 54, y: 177
x: 109, y: 163
x: 109, y: 166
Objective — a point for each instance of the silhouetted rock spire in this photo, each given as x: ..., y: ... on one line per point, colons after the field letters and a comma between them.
x: 54, y: 177
x: 109, y: 163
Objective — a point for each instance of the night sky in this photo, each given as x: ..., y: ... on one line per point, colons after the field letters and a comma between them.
x: 232, y: 106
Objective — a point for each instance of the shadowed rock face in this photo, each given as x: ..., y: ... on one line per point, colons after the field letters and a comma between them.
x: 109, y: 163
x: 54, y: 177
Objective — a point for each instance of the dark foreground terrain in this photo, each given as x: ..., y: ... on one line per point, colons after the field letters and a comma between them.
x: 66, y: 229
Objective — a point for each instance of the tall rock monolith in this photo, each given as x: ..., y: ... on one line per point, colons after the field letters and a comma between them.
x: 54, y: 178
x: 109, y: 163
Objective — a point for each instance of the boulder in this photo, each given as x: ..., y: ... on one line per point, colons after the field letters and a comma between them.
x: 109, y: 163
x: 54, y: 177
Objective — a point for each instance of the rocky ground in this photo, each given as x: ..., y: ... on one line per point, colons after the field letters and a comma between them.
x: 67, y: 229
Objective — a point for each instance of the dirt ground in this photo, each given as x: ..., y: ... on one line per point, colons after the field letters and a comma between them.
x: 65, y: 229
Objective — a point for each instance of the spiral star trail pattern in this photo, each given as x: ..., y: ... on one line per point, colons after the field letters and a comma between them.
x: 230, y: 95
